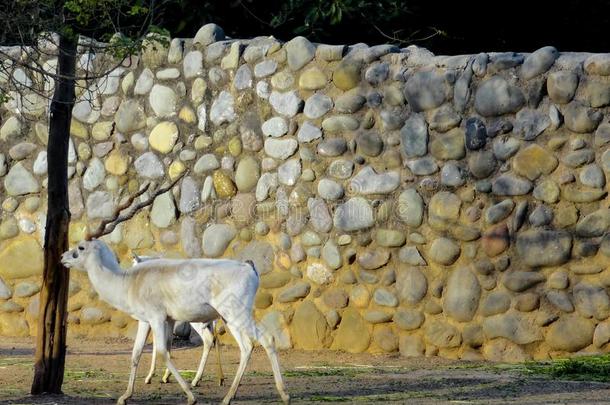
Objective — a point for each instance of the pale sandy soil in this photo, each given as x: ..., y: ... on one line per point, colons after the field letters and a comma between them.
x: 96, y: 373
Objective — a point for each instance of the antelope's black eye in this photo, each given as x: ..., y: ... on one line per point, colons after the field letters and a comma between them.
x: 81, y: 248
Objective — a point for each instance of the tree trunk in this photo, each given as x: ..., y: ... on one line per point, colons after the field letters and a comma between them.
x: 51, y: 338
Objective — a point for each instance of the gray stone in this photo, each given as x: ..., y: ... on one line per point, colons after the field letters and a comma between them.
x: 192, y: 64
x: 308, y: 132
x: 281, y: 148
x: 340, y: 123
x: 350, y: 102
x: 100, y: 204
x: 317, y: 105
x: 294, y: 292
x: 581, y: 119
x: 266, y: 184
x: 22, y: 150
x: 591, y: 300
x: 320, y: 218
x: 544, y: 248
x: 497, y: 302
x: 452, y: 175
x: 505, y: 148
x: 209, y: 34
x: 261, y: 253
x: 189, y: 195
x: 519, y: 281
x: 331, y: 255
x: 223, y: 109
x: 511, y: 326
x: 390, y: 237
x: 299, y: 51
x: 341, y: 169
x: 275, y: 127
x: 511, y: 185
x: 476, y: 134
x: 570, y: 333
x: 410, y: 208
x: 531, y: 123
x: 130, y: 116
x: 26, y: 289
x: 411, y: 285
x: 499, y: 211
x: 216, y: 238
x: 444, y: 118
x: 188, y: 237
x: 377, y: 73
x: 163, y: 101
x: 578, y: 158
x: 442, y: 334
x: 538, y: 62
x: 368, y: 182
x: 414, y: 136
x: 289, y: 172
x: 410, y: 255
x: 243, y: 78
x: 5, y: 292
x: 149, y: 166
x: 444, y: 251
x: 330, y: 190
x: 369, y: 144
x: 461, y: 296
x: 496, y: 97
x: 482, y: 164
x: 408, y: 319
x: 423, y: 167
x: 206, y: 163
x: 541, y: 215
x: 19, y: 181
x: 561, y: 300
x: 385, y: 298
x: 265, y: 68
x: 592, y: 176
x: 373, y: 259
x: 94, y: 175
x: 561, y: 86
x: 163, y: 212
x: 426, y: 90
x: 332, y: 147
x: 287, y: 104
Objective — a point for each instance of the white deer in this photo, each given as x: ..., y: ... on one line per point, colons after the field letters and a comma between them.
x: 207, y: 332
x: 160, y: 292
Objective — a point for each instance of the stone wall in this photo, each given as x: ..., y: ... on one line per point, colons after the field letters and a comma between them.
x: 392, y: 200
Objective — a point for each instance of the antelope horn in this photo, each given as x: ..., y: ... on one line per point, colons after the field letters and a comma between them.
x: 108, y: 225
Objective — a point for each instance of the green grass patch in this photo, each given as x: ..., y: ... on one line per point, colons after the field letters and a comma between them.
x: 584, y: 368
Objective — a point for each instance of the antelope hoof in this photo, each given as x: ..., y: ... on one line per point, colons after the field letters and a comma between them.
x: 122, y: 400
x: 195, y: 383
x: 286, y: 399
x: 147, y: 380
x: 191, y: 400
x: 164, y: 380
x: 226, y: 401
x: 221, y: 382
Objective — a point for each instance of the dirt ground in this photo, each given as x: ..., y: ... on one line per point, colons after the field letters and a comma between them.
x: 96, y: 373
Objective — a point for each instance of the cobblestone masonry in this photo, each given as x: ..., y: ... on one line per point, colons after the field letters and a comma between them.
x: 392, y: 200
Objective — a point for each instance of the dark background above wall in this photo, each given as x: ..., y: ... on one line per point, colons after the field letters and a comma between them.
x: 445, y: 27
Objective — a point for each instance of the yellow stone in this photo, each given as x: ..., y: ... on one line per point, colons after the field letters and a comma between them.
x: 203, y: 142
x: 42, y: 132
x: 312, y: 79
x: 84, y: 151
x: 14, y: 325
x: 235, y: 146
x: 136, y: 232
x: 187, y: 115
x: 77, y: 129
x: 116, y: 163
x: 198, y: 90
x: 176, y: 169
x: 163, y: 137
x: 347, y: 75
x: 102, y: 130
x: 223, y: 185
x: 78, y: 231
x: 534, y: 161
x: 21, y: 258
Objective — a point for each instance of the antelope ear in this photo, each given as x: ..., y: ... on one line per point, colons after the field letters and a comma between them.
x: 136, y: 257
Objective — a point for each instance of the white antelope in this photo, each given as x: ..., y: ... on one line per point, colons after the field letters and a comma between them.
x: 160, y: 292
x: 207, y: 332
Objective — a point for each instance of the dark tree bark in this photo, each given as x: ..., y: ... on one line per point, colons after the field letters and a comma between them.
x: 51, y: 338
